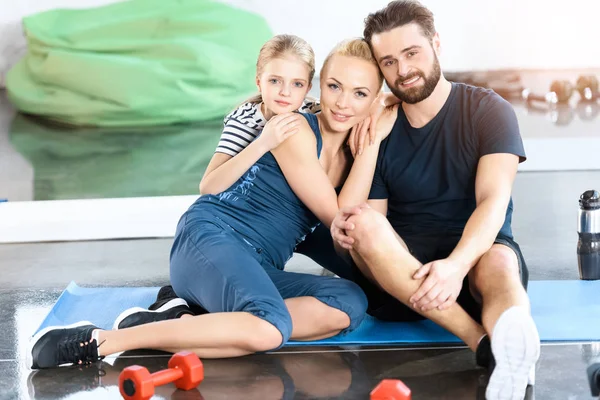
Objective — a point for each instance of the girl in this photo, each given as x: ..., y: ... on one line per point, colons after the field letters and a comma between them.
x: 284, y: 73
x: 230, y: 249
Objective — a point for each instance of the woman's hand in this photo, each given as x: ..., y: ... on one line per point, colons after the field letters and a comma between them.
x: 358, y: 134
x: 385, y: 122
x: 278, y: 129
x: 386, y: 106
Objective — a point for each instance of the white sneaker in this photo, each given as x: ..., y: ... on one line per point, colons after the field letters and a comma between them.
x: 516, y: 349
x: 531, y: 377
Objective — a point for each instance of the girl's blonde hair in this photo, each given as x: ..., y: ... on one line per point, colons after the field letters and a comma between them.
x: 358, y: 48
x: 280, y: 46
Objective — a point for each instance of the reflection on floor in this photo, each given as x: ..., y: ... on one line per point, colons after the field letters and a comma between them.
x: 98, y: 163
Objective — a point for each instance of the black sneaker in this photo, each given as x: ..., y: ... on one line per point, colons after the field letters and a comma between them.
x: 56, y: 346
x: 167, y: 306
x: 167, y: 293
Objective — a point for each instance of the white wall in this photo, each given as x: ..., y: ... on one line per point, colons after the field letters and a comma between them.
x: 490, y: 34
x: 475, y: 34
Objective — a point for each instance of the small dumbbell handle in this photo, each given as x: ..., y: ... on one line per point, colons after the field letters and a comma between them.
x: 166, y: 376
x: 550, y: 97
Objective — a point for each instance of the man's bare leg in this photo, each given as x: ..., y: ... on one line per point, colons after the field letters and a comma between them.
x: 506, y: 316
x: 496, y: 280
x: 380, y: 255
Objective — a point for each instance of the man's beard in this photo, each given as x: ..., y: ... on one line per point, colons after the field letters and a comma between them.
x: 416, y: 94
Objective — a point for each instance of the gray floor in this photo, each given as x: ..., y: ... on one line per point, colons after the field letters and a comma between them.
x: 33, y: 276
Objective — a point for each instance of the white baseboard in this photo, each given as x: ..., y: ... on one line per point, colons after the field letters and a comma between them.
x: 97, y: 219
x: 562, y: 154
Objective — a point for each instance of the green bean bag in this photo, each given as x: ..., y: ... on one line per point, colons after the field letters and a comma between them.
x: 138, y: 62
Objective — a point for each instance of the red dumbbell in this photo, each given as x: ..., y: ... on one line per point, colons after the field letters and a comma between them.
x: 391, y: 389
x: 185, y: 370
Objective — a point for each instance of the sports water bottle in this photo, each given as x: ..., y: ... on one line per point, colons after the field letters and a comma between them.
x: 588, y: 246
x: 593, y: 373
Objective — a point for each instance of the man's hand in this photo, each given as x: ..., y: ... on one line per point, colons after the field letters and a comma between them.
x: 441, y: 287
x: 340, y: 225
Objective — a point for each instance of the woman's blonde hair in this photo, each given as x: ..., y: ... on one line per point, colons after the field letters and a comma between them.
x: 357, y: 48
x: 280, y: 46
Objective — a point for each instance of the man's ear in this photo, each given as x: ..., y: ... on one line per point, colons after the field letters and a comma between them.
x: 436, y: 44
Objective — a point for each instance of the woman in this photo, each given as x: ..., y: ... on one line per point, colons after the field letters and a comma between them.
x: 230, y: 249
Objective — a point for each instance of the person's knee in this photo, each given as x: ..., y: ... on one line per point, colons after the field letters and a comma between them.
x: 333, y: 319
x: 266, y: 336
x: 497, y: 265
x: 368, y: 225
x: 357, y: 302
x: 347, y: 306
x: 272, y: 329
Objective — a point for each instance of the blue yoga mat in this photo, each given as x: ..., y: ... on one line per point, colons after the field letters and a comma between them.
x: 563, y: 311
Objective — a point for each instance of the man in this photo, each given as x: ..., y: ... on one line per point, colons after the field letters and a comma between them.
x: 436, y: 227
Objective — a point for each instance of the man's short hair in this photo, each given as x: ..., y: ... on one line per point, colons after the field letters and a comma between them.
x: 400, y: 13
